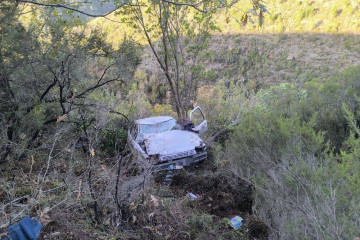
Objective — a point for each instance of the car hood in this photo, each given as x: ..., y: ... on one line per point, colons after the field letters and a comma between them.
x: 172, y: 142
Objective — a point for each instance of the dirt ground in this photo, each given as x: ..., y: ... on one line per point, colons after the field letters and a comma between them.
x: 218, y: 194
x: 168, y: 211
x: 157, y: 210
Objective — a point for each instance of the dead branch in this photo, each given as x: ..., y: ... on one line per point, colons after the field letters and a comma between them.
x: 50, y: 156
x: 116, y: 198
x: 70, y: 8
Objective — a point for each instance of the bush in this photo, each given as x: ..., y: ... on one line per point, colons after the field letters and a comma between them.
x: 300, y: 147
x: 112, y: 141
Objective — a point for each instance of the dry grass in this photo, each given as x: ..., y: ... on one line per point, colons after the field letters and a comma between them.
x: 261, y: 60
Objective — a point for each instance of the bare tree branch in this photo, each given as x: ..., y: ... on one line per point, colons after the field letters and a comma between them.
x: 196, y: 6
x: 50, y: 157
x: 112, y: 111
x: 106, y: 69
x: 96, y: 86
x: 70, y: 8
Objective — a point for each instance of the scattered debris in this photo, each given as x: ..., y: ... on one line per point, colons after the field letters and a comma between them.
x: 154, y: 200
x: 194, y: 200
x: 26, y: 229
x: 224, y: 195
x: 192, y: 196
x: 169, y: 175
x: 178, y: 166
x: 171, y: 170
x: 236, y: 222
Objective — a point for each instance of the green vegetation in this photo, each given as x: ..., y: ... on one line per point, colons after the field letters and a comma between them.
x: 297, y: 145
x: 294, y: 16
x: 284, y: 16
x: 282, y: 109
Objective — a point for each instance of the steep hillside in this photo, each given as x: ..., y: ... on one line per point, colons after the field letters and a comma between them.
x: 262, y: 60
x: 289, y: 16
x: 299, y: 41
x: 285, y: 16
x: 282, y: 105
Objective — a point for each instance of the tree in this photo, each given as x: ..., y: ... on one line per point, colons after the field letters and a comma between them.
x: 53, y: 74
x: 177, y: 33
x: 48, y: 72
x: 14, y: 53
x: 180, y: 41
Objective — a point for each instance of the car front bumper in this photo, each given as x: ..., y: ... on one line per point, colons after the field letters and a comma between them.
x: 187, y: 161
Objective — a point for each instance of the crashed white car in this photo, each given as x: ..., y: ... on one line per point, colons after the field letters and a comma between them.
x: 164, y: 143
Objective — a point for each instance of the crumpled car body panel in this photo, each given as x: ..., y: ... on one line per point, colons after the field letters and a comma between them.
x: 159, y: 141
x: 172, y: 144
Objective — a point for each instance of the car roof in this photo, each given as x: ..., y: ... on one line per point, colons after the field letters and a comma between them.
x: 154, y: 120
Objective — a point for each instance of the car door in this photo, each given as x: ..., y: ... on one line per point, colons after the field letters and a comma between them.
x: 199, y: 121
x: 134, y: 145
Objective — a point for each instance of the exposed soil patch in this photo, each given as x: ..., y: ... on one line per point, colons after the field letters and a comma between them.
x: 168, y: 212
x: 218, y: 194
x: 255, y: 228
x: 223, y: 195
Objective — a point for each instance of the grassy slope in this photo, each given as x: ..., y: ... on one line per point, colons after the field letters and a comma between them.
x: 300, y: 16
x: 285, y: 16
x: 270, y: 59
x: 300, y: 40
x: 262, y: 60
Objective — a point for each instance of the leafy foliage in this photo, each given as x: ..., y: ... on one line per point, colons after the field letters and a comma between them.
x: 61, y: 83
x: 112, y: 141
x: 298, y: 147
x: 57, y: 106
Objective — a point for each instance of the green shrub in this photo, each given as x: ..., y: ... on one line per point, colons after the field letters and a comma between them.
x: 300, y: 147
x: 112, y: 141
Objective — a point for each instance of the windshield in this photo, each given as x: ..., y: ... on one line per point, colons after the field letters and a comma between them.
x: 146, y: 129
